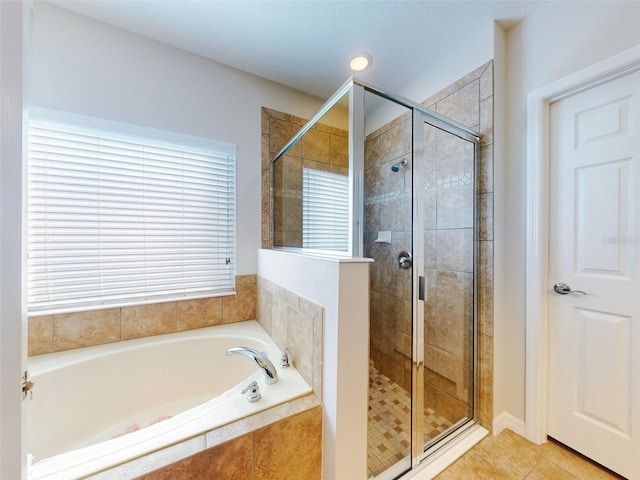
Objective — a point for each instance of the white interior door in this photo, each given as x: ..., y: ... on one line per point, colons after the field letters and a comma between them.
x: 594, y: 339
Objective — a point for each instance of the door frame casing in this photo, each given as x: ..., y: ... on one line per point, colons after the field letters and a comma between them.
x: 14, y: 34
x: 537, y: 227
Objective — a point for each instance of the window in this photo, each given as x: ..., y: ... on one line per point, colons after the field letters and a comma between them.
x: 119, y: 215
x: 325, y: 210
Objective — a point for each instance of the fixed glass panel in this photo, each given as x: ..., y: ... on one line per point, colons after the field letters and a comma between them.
x: 310, y: 204
x: 387, y: 233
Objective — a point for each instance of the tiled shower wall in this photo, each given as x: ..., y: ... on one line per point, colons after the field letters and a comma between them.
x: 277, y: 129
x: 449, y: 267
x: 66, y: 331
x: 323, y: 148
x: 469, y: 101
x: 387, y: 207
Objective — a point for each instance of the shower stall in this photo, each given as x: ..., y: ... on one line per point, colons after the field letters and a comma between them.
x: 397, y: 185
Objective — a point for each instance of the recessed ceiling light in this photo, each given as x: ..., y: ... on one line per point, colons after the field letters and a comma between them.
x: 360, y: 62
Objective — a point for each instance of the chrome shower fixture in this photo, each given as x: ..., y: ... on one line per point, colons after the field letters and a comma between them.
x: 396, y: 166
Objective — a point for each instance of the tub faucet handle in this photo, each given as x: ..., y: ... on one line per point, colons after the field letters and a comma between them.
x: 252, y: 391
x: 284, y: 359
x: 27, y: 385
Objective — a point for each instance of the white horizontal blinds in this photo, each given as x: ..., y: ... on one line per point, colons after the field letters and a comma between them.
x: 116, y: 219
x: 325, y: 210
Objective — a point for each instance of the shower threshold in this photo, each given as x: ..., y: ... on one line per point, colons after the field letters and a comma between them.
x: 445, y: 452
x: 438, y: 457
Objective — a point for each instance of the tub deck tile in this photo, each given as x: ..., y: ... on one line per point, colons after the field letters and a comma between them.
x: 153, y: 461
x: 290, y: 448
x: 248, y: 424
x: 231, y: 460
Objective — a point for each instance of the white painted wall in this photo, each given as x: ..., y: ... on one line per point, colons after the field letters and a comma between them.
x: 84, y: 66
x: 341, y: 286
x: 449, y: 66
x: 500, y: 280
x: 558, y: 38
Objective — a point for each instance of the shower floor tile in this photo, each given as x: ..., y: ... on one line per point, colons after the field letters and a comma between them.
x: 389, y: 433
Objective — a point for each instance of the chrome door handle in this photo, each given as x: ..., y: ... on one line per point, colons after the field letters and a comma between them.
x: 564, y: 289
x: 405, y: 260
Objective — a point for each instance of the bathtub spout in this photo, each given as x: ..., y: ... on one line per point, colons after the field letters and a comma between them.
x: 260, y: 359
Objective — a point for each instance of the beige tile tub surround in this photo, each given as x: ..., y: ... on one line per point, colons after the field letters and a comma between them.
x: 289, y: 448
x: 66, y: 331
x: 295, y: 323
x: 234, y: 451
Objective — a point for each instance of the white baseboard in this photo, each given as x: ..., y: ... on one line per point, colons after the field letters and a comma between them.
x: 506, y: 420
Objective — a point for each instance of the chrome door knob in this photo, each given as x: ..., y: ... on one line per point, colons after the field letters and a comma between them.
x: 405, y: 260
x: 564, y: 289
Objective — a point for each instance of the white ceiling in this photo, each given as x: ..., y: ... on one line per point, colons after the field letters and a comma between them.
x: 307, y: 44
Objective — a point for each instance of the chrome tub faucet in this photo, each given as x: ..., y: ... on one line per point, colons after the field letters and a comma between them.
x: 260, y: 359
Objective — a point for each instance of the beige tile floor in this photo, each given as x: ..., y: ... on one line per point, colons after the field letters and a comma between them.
x: 510, y: 456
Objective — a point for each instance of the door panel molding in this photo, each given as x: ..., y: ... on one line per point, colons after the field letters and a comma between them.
x: 537, y: 225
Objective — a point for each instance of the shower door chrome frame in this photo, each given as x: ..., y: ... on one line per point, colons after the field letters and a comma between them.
x: 418, y: 289
x: 356, y: 167
x: 420, y: 449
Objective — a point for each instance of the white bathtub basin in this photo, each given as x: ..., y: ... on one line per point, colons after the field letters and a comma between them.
x: 84, y: 398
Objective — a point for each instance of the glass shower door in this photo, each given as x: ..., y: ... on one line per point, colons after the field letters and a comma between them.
x: 419, y: 227
x: 444, y: 234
